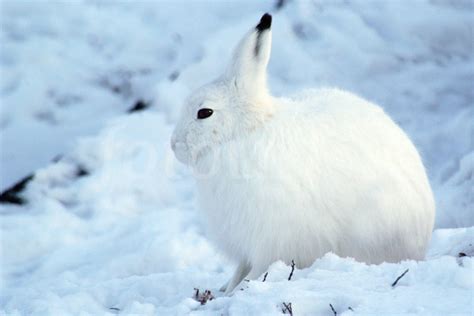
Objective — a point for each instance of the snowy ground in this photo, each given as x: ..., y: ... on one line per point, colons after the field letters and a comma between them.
x: 111, y: 226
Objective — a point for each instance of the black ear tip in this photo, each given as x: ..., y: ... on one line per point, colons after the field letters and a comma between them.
x: 265, y: 22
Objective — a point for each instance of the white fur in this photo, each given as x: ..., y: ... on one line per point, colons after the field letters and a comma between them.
x: 293, y: 179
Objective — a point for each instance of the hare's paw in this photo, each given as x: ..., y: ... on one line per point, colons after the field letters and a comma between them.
x: 224, y: 286
x: 240, y: 273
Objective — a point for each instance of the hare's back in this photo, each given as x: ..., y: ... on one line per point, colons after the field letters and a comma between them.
x: 340, y: 119
x: 338, y: 131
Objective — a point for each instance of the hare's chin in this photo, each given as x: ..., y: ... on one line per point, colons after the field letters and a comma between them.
x: 184, y: 159
x: 187, y: 157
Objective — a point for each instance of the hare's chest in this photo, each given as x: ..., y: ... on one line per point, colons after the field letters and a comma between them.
x: 255, y: 178
x: 252, y: 201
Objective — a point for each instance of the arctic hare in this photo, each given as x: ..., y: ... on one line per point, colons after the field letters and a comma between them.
x: 292, y: 179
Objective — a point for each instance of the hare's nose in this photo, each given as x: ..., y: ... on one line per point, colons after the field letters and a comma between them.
x: 177, y: 145
x: 173, y: 144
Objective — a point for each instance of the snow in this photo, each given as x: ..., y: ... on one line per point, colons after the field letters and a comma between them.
x: 127, y: 238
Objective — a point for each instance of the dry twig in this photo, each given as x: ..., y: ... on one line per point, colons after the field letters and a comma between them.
x: 398, y: 279
x: 265, y: 277
x: 287, y: 309
x: 333, y: 310
x: 292, y: 269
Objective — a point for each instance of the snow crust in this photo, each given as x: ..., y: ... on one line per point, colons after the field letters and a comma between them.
x: 127, y: 238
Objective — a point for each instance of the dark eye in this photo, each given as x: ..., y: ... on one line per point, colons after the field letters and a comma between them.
x: 204, y: 113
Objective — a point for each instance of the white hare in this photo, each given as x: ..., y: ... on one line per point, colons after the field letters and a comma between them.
x: 292, y: 179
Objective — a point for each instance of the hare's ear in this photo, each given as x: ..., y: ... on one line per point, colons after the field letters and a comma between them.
x: 249, y: 64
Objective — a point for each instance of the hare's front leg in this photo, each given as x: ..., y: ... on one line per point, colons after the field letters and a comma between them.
x: 224, y: 286
x: 240, y: 273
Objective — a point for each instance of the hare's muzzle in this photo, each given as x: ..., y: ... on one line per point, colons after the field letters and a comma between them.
x: 180, y: 151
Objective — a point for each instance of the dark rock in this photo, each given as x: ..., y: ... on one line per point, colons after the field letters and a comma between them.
x: 12, y: 195
x: 140, y: 105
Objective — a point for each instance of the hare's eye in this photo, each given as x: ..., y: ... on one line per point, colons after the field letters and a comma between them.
x: 204, y: 113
